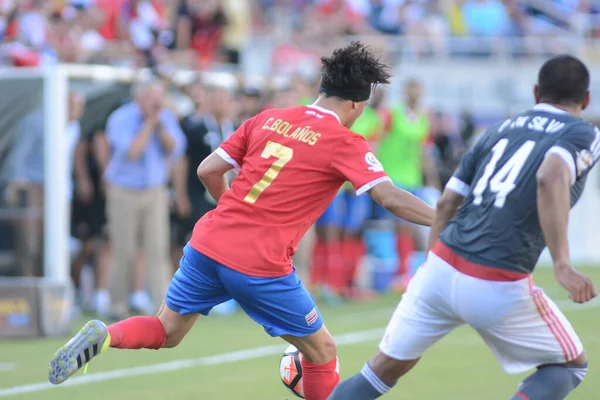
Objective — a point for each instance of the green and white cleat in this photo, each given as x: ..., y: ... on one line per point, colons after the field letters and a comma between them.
x: 90, y: 341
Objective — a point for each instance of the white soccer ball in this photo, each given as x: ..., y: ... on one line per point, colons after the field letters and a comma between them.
x: 290, y: 370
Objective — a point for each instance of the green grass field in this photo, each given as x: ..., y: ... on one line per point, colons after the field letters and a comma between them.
x: 460, y: 367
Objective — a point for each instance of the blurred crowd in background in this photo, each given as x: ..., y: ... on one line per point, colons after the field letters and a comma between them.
x: 130, y: 220
x: 134, y: 196
x: 198, y: 33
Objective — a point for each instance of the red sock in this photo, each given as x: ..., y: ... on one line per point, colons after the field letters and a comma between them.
x: 406, y: 246
x: 319, y: 264
x: 319, y: 380
x: 335, y: 266
x: 355, y: 251
x: 138, y: 333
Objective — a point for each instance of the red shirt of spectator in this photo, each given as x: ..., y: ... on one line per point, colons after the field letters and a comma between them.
x: 339, y: 6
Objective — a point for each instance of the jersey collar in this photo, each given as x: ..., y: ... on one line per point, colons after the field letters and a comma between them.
x: 548, y: 108
x: 325, y: 111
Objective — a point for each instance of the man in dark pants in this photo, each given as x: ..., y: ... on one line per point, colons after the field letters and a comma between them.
x: 191, y: 199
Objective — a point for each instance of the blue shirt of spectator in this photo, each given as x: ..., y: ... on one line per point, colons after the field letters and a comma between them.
x: 152, y: 168
x: 486, y: 17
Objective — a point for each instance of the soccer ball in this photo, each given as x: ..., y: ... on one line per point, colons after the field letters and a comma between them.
x: 290, y: 370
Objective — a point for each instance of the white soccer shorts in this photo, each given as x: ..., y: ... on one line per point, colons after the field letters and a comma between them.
x: 521, y: 325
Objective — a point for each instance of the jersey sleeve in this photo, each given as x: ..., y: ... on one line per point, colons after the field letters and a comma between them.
x: 579, y: 149
x: 354, y: 161
x: 234, y: 149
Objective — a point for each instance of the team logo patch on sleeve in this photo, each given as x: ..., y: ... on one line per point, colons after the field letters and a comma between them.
x: 585, y: 160
x: 373, y: 162
x: 312, y: 316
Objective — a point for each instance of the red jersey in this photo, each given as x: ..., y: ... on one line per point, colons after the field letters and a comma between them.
x: 291, y: 164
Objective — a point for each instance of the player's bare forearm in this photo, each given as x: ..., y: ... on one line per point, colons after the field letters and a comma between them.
x: 211, y: 173
x: 215, y: 185
x: 553, y: 203
x: 402, y: 204
x: 445, y: 210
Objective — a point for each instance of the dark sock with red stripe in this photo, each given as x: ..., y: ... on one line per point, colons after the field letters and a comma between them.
x: 553, y: 382
x: 137, y: 333
x: 319, y: 380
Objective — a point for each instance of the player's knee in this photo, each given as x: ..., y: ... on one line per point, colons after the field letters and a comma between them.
x: 173, y: 337
x: 580, y: 360
x: 578, y: 368
x: 174, y: 334
x: 322, y: 352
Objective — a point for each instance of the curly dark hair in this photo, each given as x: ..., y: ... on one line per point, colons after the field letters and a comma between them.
x: 353, y: 67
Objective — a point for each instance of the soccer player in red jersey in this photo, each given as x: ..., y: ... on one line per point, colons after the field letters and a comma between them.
x: 291, y: 164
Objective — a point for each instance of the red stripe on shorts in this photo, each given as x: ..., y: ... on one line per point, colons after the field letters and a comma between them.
x: 561, y: 327
x: 543, y: 313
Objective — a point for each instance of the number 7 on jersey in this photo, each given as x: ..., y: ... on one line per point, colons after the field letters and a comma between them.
x: 284, y: 155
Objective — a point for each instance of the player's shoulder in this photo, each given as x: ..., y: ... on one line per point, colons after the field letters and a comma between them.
x: 581, y: 126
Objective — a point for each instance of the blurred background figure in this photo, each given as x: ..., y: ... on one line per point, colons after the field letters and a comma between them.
x: 406, y: 156
x: 242, y: 57
x: 88, y: 215
x: 339, y: 247
x: 27, y: 187
x: 145, y: 139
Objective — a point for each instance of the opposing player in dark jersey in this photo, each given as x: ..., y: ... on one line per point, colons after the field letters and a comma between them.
x: 509, y: 198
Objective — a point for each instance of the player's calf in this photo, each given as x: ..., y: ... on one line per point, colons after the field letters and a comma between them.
x: 553, y: 382
x: 376, y: 378
x: 320, y: 367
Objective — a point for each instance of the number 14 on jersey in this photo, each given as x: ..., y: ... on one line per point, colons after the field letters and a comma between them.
x: 503, y: 182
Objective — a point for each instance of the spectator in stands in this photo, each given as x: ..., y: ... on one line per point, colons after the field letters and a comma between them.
x: 219, y: 119
x: 144, y: 139
x: 486, y: 17
x: 407, y: 159
x: 88, y: 215
x: 448, y: 146
x: 27, y: 187
x: 191, y: 200
x: 199, y: 26
x: 237, y: 31
x: 250, y: 102
x: 149, y: 29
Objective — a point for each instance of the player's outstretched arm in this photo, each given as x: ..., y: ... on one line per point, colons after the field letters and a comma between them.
x: 554, y: 203
x: 445, y: 210
x: 402, y: 204
x: 211, y: 173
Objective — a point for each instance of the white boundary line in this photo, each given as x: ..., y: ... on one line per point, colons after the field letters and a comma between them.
x: 226, y: 358
x: 259, y: 352
x: 8, y: 366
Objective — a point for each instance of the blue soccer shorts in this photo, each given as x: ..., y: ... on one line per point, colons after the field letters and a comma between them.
x: 281, y: 305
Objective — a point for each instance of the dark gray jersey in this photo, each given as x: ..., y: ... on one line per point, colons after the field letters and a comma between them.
x: 498, y: 223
